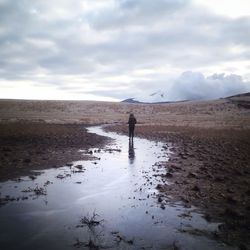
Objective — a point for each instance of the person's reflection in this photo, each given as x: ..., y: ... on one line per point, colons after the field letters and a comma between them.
x: 131, y: 152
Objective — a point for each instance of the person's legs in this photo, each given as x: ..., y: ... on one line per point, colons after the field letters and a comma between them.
x: 132, y: 132
x: 129, y: 132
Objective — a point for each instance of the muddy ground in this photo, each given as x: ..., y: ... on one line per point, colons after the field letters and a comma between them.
x: 27, y: 146
x: 209, y: 168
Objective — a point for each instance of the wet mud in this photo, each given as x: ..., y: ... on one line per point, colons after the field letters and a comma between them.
x: 207, y: 168
x: 26, y: 146
x: 113, y: 201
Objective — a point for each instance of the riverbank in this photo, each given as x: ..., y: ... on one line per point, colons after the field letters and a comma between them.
x: 209, y: 168
x: 27, y: 146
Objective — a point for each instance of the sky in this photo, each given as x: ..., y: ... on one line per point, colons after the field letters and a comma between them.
x: 111, y: 50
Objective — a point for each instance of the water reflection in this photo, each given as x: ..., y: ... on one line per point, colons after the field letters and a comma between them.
x: 131, y: 151
x: 124, y: 197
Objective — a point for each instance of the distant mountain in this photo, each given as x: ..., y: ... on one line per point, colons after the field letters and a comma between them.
x: 130, y: 100
x: 161, y: 97
x: 239, y: 95
x: 241, y: 100
x: 156, y: 97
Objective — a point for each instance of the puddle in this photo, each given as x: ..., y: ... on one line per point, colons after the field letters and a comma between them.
x: 117, y: 191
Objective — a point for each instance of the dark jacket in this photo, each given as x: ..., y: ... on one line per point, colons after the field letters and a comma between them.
x: 132, y: 122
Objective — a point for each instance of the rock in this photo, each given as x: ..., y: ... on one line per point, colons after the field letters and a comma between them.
x: 32, y: 177
x: 248, y: 192
x: 242, y: 246
x: 207, y: 217
x: 159, y: 187
x: 219, y: 178
x: 231, y: 200
x: 69, y: 164
x: 6, y: 149
x: 192, y: 175
x: 229, y: 190
x: 169, y: 175
x: 232, y: 214
x: 60, y: 176
x: 27, y: 160
x: 79, y: 167
x: 162, y: 206
x: 238, y: 172
x: 160, y: 199
x: 196, y: 188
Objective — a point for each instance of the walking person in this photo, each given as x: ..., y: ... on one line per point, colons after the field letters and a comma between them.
x: 131, y: 126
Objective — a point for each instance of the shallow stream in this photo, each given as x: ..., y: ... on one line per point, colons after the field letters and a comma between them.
x: 106, y: 203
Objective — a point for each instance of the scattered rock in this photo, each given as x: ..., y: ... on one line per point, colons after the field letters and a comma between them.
x: 231, y: 200
x: 36, y: 190
x: 79, y: 167
x: 207, y: 217
x: 232, y: 214
x: 169, y: 175
x: 160, y: 199
x: 248, y: 192
x: 27, y: 160
x: 196, y: 188
x: 192, y: 175
x: 219, y: 179
x: 159, y: 187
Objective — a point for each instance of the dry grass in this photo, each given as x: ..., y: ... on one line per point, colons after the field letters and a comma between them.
x: 224, y: 113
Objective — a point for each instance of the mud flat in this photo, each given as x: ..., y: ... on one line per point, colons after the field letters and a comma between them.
x: 27, y: 146
x: 107, y: 203
x: 208, y: 168
x: 209, y: 164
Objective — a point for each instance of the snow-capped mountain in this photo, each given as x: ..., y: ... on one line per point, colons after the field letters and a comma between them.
x: 156, y: 97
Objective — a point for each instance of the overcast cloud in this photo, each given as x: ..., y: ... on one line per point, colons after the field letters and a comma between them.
x: 116, y: 49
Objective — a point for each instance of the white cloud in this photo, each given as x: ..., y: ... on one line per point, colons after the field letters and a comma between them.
x: 195, y: 86
x: 100, y: 45
x: 231, y: 8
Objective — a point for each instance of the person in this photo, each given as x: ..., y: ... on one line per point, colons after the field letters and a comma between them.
x: 131, y: 126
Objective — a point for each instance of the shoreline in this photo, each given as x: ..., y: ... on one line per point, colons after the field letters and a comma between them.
x: 208, y: 168
x: 29, y: 146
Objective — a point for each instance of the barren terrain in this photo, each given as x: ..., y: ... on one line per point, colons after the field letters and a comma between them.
x: 210, y: 142
x: 26, y: 146
x: 223, y: 113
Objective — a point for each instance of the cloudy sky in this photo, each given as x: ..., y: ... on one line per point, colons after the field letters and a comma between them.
x: 116, y: 49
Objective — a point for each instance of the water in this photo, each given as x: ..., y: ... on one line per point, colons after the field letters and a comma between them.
x: 119, y: 188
